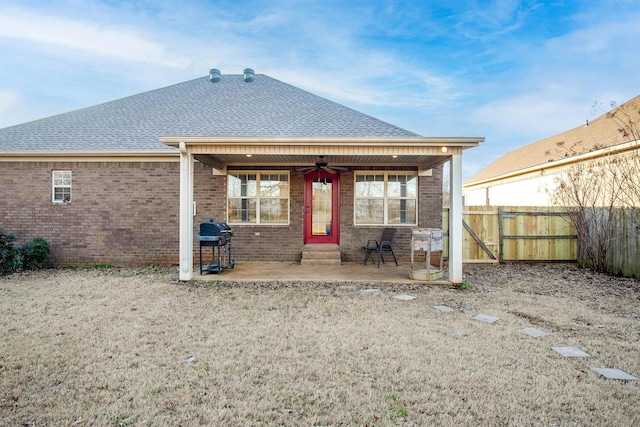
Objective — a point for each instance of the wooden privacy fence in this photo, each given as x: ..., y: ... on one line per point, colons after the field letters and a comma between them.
x: 512, y: 234
x: 624, y: 243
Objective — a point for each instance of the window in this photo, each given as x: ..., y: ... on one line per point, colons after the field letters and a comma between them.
x: 258, y: 197
x: 386, y: 198
x: 61, y: 186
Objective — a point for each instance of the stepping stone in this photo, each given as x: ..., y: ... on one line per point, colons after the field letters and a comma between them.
x: 533, y: 332
x: 369, y: 291
x: 614, y: 374
x: 486, y: 318
x: 444, y: 308
x: 404, y: 297
x: 570, y: 351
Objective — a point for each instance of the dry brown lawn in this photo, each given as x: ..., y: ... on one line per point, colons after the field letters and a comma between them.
x: 136, y: 347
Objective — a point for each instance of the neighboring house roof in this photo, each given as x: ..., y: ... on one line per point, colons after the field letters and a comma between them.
x: 200, y: 107
x: 603, y: 132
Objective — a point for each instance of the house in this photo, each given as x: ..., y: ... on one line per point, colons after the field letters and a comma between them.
x: 526, y: 176
x: 128, y: 181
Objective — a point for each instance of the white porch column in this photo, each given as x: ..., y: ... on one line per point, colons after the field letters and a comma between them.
x: 186, y: 213
x: 455, y: 219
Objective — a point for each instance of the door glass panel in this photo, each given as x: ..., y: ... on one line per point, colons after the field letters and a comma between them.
x: 321, y: 208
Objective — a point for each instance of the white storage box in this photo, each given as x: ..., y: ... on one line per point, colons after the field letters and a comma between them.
x: 427, y: 239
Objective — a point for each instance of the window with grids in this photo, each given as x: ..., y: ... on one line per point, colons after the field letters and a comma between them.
x: 386, y: 198
x: 61, y: 181
x: 258, y: 197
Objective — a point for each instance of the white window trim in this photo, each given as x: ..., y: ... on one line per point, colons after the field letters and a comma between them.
x: 385, y: 198
x: 258, y: 198
x: 54, y: 186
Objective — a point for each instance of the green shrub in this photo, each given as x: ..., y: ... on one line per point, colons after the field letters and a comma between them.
x: 30, y: 256
x: 34, y: 254
x: 9, y: 260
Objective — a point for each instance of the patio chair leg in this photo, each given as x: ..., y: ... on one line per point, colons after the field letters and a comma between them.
x: 367, y: 256
x: 380, y: 257
x: 394, y: 257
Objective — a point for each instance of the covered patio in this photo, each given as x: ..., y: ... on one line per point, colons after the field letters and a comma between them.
x: 421, y: 153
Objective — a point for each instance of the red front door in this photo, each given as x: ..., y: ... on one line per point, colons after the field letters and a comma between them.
x: 321, y: 207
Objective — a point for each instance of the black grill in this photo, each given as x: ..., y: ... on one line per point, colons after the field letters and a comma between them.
x: 216, y: 229
x: 217, y: 235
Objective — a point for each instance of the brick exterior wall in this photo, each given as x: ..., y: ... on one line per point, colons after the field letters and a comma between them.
x: 121, y: 213
x: 352, y: 239
x: 127, y: 213
x: 274, y: 242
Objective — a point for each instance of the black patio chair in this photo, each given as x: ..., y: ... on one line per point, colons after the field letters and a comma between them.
x: 386, y: 244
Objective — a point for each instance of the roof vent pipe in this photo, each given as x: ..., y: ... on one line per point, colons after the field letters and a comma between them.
x: 249, y: 75
x: 214, y: 75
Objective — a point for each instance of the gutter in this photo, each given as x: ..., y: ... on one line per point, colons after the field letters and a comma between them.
x: 91, y: 156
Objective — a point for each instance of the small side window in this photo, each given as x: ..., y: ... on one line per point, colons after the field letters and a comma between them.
x: 61, y: 186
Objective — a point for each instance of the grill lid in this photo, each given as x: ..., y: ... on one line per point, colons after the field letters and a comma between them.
x: 214, y: 228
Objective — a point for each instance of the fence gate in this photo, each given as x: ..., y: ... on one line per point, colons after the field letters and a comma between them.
x: 512, y: 234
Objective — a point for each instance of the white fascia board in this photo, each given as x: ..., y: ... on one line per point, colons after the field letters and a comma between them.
x: 463, y: 142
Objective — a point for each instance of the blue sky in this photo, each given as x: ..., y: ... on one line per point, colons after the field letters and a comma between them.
x: 512, y: 71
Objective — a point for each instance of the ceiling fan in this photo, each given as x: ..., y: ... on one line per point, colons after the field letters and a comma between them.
x: 321, y: 164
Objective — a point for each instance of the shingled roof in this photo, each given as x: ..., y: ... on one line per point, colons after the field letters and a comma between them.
x: 603, y: 132
x: 228, y: 107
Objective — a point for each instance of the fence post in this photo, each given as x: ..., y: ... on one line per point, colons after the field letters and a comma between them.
x: 500, y: 233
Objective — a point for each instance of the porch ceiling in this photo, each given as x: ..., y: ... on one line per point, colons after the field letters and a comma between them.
x: 299, y: 160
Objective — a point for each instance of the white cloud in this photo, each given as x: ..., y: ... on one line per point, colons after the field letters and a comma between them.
x: 602, y: 43
x: 488, y: 20
x: 85, y: 38
x: 10, y: 100
x: 16, y: 108
x: 531, y: 114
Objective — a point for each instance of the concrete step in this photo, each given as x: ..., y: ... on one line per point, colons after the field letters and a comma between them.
x: 321, y: 248
x: 321, y: 262
x: 320, y: 255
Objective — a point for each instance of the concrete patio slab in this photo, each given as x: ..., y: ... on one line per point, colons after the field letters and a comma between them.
x: 614, y: 374
x: 570, y: 352
x: 251, y: 271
